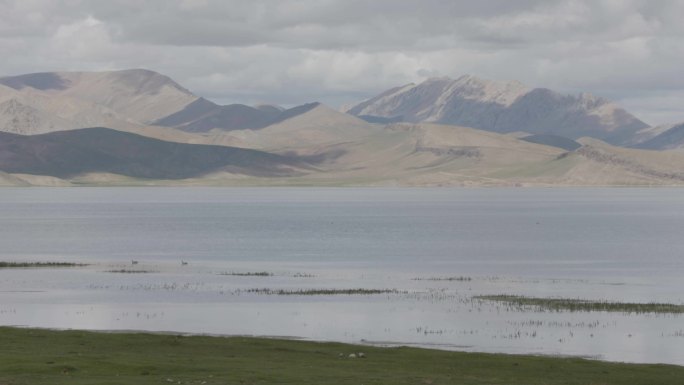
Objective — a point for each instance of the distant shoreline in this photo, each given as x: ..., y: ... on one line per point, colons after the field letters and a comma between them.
x: 161, y: 184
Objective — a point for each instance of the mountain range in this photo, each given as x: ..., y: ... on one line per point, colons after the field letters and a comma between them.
x: 141, y: 127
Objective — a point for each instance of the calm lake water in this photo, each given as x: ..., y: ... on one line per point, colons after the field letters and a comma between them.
x: 601, y: 244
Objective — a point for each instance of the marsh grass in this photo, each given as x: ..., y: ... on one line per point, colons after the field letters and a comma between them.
x: 459, y: 279
x: 130, y: 271
x: 325, y: 291
x: 248, y: 274
x: 303, y: 275
x: 42, y: 357
x: 581, y: 305
x: 9, y: 265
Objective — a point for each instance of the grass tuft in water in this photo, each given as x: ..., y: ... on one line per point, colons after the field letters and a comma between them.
x: 577, y: 305
x: 325, y: 291
x: 459, y: 279
x: 129, y: 271
x: 303, y: 275
x: 9, y: 265
x: 249, y: 274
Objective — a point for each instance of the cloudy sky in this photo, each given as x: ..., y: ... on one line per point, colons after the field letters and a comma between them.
x: 340, y: 51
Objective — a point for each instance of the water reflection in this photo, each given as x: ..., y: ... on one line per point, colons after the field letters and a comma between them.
x: 422, y: 312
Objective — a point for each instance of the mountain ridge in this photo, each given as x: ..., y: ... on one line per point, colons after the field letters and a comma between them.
x: 125, y: 99
x: 138, y: 94
x: 502, y: 106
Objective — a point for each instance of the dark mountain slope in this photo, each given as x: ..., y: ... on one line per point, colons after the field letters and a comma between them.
x: 69, y: 153
x: 40, y: 81
x: 203, y: 115
x: 670, y: 139
x: 554, y: 141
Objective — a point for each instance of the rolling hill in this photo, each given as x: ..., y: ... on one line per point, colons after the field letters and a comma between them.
x: 68, y: 154
x: 395, y: 155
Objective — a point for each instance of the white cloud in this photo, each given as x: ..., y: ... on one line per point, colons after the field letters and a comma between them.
x: 657, y: 107
x: 81, y: 40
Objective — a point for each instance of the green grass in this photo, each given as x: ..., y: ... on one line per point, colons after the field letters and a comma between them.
x: 38, y: 357
x: 565, y: 304
x: 9, y: 265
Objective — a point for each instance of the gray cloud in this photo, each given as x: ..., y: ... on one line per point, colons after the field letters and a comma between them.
x: 337, y: 51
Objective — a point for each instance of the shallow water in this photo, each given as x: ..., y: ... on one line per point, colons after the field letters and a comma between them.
x: 604, y: 244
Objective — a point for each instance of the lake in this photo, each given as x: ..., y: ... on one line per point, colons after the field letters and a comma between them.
x: 219, y: 261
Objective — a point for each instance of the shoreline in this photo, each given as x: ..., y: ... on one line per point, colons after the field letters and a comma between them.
x: 40, y: 356
x: 446, y: 347
x: 370, y: 186
x: 442, y: 347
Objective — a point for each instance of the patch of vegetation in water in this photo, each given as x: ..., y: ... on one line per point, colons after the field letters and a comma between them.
x: 130, y: 271
x: 303, y: 275
x: 249, y: 274
x: 42, y: 357
x: 577, y: 305
x: 325, y: 291
x: 10, y: 265
x: 459, y: 279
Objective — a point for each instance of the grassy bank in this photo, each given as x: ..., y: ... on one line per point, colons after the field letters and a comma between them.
x: 35, y: 357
